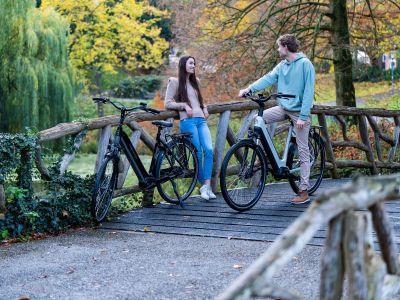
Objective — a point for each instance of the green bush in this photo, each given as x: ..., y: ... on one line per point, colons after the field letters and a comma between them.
x: 64, y: 202
x: 137, y: 86
x: 89, y: 147
x: 373, y: 73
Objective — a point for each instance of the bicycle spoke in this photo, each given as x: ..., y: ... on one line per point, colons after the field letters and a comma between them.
x: 104, y: 188
x: 317, y: 162
x: 241, y: 182
x: 177, y: 172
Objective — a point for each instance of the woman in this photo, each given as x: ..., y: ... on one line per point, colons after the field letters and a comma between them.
x: 183, y: 94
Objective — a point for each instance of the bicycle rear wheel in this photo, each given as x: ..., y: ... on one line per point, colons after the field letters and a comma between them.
x: 243, y: 175
x: 176, y: 171
x: 106, y: 180
x: 317, y: 159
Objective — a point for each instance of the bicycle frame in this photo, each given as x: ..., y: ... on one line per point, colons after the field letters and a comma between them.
x: 121, y: 140
x: 278, y: 164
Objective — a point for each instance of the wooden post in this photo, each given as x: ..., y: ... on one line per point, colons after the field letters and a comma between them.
x: 374, y: 267
x: 362, y: 123
x: 246, y: 124
x: 396, y: 136
x: 44, y: 172
x: 167, y: 130
x: 124, y: 164
x: 332, y: 262
x: 386, y: 238
x: 24, y: 178
x: 377, y: 135
x: 219, y: 147
x: 328, y: 146
x: 147, y: 200
x: 104, y: 139
x: 230, y: 137
x: 2, y: 202
x: 68, y: 157
x: 145, y: 137
x: 354, y: 251
x: 343, y: 125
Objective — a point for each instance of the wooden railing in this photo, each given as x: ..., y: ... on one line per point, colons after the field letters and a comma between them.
x: 348, y: 246
x: 225, y: 133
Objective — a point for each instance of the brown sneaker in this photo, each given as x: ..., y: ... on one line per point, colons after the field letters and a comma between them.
x: 302, y: 197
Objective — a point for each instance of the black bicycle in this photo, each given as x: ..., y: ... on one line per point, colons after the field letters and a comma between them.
x: 245, y: 166
x: 173, y: 169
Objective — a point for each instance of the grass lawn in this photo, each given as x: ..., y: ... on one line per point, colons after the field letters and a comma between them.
x: 325, y: 88
x: 84, y: 164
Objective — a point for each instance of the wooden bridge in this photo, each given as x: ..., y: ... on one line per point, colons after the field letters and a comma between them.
x: 214, y: 218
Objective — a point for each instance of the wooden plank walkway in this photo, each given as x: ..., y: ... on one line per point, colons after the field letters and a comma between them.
x: 214, y: 218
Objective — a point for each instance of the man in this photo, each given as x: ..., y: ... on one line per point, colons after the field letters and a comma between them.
x: 294, y: 75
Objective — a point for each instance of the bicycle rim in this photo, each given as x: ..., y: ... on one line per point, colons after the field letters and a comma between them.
x: 177, y: 171
x: 243, y: 175
x: 317, y: 160
x: 104, y: 188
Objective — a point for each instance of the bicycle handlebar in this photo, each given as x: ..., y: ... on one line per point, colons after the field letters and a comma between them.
x: 261, y: 98
x: 119, y: 106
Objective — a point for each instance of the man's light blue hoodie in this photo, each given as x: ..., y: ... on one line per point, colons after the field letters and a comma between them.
x: 295, y: 77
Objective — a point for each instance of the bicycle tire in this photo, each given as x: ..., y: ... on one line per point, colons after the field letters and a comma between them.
x: 317, y: 158
x: 106, y: 180
x: 242, y: 180
x: 176, y: 171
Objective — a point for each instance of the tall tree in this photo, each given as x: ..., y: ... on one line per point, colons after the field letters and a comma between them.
x: 321, y: 25
x: 36, y: 79
x: 107, y: 35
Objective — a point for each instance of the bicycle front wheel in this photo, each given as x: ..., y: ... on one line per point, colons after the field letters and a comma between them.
x: 176, y: 171
x: 106, y: 180
x: 243, y: 175
x: 317, y: 161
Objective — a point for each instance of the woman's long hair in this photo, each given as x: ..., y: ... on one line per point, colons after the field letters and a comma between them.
x: 182, y: 77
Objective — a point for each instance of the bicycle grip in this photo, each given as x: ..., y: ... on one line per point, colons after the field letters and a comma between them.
x: 100, y: 99
x: 247, y: 94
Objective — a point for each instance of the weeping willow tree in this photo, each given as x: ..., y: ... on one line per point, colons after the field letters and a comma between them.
x: 36, y: 79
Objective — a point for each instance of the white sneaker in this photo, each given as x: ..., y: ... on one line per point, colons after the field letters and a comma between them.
x: 204, y: 192
x: 211, y: 195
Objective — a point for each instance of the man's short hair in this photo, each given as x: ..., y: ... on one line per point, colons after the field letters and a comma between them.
x: 290, y: 41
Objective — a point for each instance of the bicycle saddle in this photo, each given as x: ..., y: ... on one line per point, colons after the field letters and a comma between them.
x: 162, y: 123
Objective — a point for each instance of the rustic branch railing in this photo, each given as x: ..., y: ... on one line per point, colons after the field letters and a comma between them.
x: 225, y: 133
x: 348, y: 246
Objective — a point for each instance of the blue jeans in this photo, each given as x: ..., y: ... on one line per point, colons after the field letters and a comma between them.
x: 201, y: 139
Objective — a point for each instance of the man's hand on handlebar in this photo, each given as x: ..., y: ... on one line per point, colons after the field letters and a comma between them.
x: 244, y: 92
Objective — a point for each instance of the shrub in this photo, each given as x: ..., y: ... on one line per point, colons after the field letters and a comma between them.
x: 65, y: 202
x: 138, y: 86
x: 373, y: 73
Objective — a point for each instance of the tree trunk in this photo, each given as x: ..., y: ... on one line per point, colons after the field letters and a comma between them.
x: 340, y: 41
